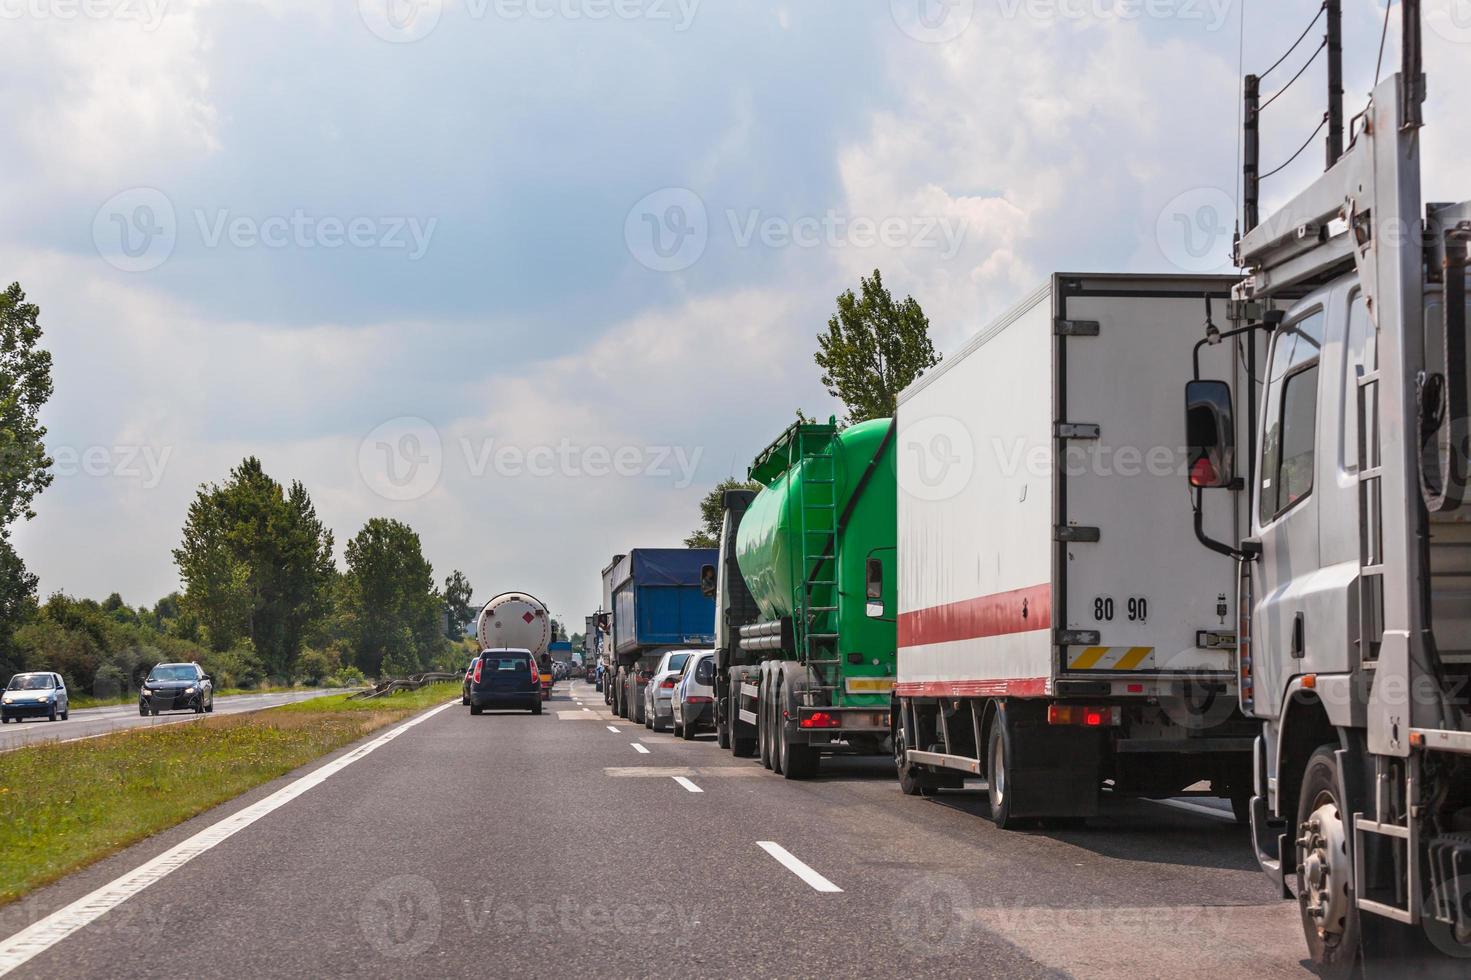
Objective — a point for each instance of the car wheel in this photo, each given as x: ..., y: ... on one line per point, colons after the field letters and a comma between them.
x: 199, y: 706
x: 143, y: 712
x: 536, y: 708
x: 153, y: 711
x: 687, y: 732
x: 52, y: 715
x: 67, y: 713
x: 475, y: 709
x: 211, y: 706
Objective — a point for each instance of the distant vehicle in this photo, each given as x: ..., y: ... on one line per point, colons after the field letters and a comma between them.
x: 40, y: 694
x: 659, y: 693
x: 176, y: 687
x: 505, y: 679
x: 694, y: 696
x: 465, y: 687
x: 591, y: 676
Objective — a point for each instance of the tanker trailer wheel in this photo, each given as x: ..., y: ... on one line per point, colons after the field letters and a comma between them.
x: 798, y: 760
x: 763, y: 717
x: 741, y: 746
x: 1330, y: 918
x: 773, y: 717
x: 1000, y: 770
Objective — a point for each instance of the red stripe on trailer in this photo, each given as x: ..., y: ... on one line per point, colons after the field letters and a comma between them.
x: 1019, y: 611
x: 1019, y: 687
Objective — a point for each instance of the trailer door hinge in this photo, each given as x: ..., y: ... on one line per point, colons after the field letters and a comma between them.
x: 1076, y: 533
x: 1076, y: 328
x: 1077, y: 430
x: 1076, y: 638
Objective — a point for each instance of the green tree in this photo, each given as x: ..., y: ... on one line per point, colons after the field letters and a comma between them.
x: 25, y: 469
x: 873, y: 349
x: 457, y: 595
x: 712, y: 512
x: 392, y: 610
x: 256, y: 564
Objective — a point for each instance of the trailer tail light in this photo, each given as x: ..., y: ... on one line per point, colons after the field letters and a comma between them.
x: 478, y: 665
x: 1086, y: 716
x: 698, y: 699
x: 820, y: 719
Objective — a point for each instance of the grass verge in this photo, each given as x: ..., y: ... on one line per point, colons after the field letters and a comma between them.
x: 65, y: 806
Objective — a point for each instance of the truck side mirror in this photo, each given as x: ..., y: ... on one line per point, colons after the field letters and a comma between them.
x: 707, y: 581
x: 1210, y: 434
x: 874, y: 587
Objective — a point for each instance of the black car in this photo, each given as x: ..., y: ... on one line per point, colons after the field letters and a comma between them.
x: 176, y: 687
x: 504, y: 679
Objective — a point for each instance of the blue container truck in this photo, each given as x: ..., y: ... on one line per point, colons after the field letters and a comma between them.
x: 656, y: 604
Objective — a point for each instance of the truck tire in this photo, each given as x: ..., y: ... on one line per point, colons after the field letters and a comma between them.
x: 913, y: 781
x: 741, y: 746
x: 798, y: 760
x: 999, y: 770
x: 1325, y: 901
x: 723, y: 737
x: 773, y: 716
x: 763, y: 717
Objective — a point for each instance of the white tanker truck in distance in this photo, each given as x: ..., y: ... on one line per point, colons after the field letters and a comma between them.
x: 518, y: 621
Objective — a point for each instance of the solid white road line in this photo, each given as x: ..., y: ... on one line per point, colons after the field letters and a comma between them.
x: 687, y: 784
x: 612, y: 729
x: 817, y: 881
x: 1208, y: 811
x: 37, y: 938
x: 639, y: 748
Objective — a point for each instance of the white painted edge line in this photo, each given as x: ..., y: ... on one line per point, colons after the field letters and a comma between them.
x: 41, y: 936
x: 796, y: 867
x: 613, y: 729
x: 588, y: 710
x: 639, y: 748
x: 1208, y: 811
x: 687, y: 784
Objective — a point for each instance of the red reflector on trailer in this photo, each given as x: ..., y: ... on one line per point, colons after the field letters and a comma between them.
x: 1136, y: 688
x: 698, y: 699
x: 819, y: 719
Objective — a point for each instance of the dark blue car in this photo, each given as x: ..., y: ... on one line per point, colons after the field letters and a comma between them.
x: 504, y: 679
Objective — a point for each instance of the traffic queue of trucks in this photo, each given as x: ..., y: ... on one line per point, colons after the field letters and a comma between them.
x: 1042, y: 574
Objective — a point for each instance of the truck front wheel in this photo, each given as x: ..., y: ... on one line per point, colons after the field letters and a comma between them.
x: 1330, y: 918
x: 1000, y: 771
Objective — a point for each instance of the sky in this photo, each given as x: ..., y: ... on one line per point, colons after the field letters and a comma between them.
x: 532, y: 275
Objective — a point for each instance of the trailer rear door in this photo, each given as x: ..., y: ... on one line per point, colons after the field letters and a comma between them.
x: 1141, y: 595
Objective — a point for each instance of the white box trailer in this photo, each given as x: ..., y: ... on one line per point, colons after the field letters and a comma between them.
x: 1061, y: 630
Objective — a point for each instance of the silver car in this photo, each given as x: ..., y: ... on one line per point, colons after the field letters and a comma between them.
x: 658, y: 712
x: 693, y: 705
x: 39, y: 694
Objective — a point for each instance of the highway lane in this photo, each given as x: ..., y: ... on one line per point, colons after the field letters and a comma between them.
x: 512, y: 844
x: 90, y: 722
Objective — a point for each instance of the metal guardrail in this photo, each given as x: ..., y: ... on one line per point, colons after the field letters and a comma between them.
x: 411, y: 683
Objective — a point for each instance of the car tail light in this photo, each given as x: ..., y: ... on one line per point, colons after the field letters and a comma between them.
x: 667, y: 684
x: 819, y: 719
x: 1087, y: 716
x: 478, y: 665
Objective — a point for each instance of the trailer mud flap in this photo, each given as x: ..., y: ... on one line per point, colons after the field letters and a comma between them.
x: 1056, y: 771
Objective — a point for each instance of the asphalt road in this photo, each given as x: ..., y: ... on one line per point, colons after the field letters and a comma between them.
x: 516, y: 845
x: 90, y: 722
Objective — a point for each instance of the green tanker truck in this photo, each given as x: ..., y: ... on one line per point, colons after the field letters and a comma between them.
x: 806, y: 599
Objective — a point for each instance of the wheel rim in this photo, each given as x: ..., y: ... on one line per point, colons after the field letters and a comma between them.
x: 997, y: 775
x: 1324, y: 870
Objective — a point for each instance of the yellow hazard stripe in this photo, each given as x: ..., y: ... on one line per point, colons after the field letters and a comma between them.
x: 1088, y: 658
x: 1110, y: 658
x: 870, y: 685
x: 1133, y: 658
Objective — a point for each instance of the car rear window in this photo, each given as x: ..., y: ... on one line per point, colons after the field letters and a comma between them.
x: 511, y: 663
x: 705, y: 671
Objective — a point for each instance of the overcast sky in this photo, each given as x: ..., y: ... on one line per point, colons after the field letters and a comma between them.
x: 531, y: 275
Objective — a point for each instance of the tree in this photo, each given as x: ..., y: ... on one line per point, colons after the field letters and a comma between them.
x: 712, y: 512
x: 392, y: 606
x: 25, y: 469
x: 874, y: 349
x: 256, y: 564
x: 457, y: 593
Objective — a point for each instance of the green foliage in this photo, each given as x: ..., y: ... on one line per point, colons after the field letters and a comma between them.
x: 257, y: 565
x: 388, y: 607
x: 457, y: 595
x: 873, y: 349
x: 712, y: 512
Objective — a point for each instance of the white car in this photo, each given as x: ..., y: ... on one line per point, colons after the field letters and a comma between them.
x: 659, y: 694
x: 693, y: 705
